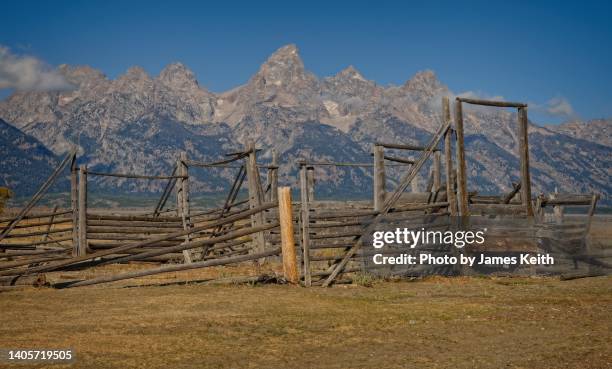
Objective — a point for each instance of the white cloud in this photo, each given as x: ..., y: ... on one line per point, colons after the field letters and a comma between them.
x: 560, y: 107
x: 26, y: 73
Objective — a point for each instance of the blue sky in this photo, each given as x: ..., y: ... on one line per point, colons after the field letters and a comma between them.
x: 534, y: 51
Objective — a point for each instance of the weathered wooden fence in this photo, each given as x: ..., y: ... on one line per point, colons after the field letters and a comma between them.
x: 325, y: 238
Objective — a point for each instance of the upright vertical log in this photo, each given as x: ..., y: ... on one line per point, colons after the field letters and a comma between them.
x: 273, y: 177
x: 255, y: 195
x: 305, y: 217
x: 379, y: 176
x: 74, y: 205
x: 182, y: 206
x: 311, y: 183
x: 290, y: 268
x: 414, y: 185
x: 462, y: 194
x: 524, y: 157
x: 448, y: 159
x: 82, y: 228
x: 436, y: 171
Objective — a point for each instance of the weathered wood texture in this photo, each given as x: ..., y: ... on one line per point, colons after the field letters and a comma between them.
x: 290, y: 268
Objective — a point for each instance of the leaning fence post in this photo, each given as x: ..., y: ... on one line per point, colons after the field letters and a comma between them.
x: 255, y: 195
x: 379, y: 177
x: 82, y: 250
x: 305, y: 217
x: 290, y: 268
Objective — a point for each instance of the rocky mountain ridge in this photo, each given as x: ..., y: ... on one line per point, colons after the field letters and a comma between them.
x: 138, y: 123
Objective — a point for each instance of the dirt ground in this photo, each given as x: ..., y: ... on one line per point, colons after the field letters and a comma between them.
x: 433, y: 323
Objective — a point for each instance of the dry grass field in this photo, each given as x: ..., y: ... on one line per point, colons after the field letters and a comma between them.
x: 159, y: 322
x: 437, y: 322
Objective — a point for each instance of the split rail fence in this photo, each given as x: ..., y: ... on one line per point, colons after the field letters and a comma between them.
x: 320, y: 242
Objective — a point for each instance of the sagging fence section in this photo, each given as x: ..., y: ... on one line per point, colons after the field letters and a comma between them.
x: 327, y: 239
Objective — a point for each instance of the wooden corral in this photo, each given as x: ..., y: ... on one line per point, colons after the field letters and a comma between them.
x: 319, y: 242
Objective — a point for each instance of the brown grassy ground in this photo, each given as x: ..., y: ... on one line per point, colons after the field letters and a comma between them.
x: 435, y: 323
x: 438, y: 323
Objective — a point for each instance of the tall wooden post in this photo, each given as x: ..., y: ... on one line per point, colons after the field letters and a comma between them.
x: 290, y: 267
x: 74, y: 204
x: 255, y: 195
x: 436, y: 171
x: 448, y: 159
x: 82, y: 228
x: 311, y: 183
x: 273, y: 177
x: 182, y: 202
x: 305, y: 215
x: 524, y: 157
x: 462, y: 195
x: 379, y: 176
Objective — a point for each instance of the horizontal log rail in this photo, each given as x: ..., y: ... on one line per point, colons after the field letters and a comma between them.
x: 36, y: 216
x: 172, y: 268
x: 40, y: 224
x: 500, y: 104
x: 130, y: 175
x: 403, y: 146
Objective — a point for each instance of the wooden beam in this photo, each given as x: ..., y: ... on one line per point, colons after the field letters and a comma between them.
x: 305, y: 222
x: 74, y: 204
x: 462, y: 194
x: 273, y: 173
x: 379, y: 176
x: 290, y: 268
x: 500, y: 104
x: 171, y: 268
x: 403, y: 146
x: 255, y: 194
x: 82, y: 228
x: 448, y: 159
x: 508, y: 197
x: 310, y: 180
x: 524, y: 157
x: 180, y: 202
x: 436, y: 172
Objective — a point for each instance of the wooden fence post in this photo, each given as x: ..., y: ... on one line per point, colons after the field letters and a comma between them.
x: 524, y: 156
x: 305, y: 217
x: 182, y: 205
x: 255, y: 195
x: 311, y: 183
x: 74, y: 204
x: 436, y: 171
x: 273, y: 177
x: 290, y: 268
x: 462, y: 194
x: 379, y: 176
x: 82, y: 228
x: 448, y: 158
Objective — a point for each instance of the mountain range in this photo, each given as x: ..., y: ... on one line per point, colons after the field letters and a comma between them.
x: 138, y: 123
